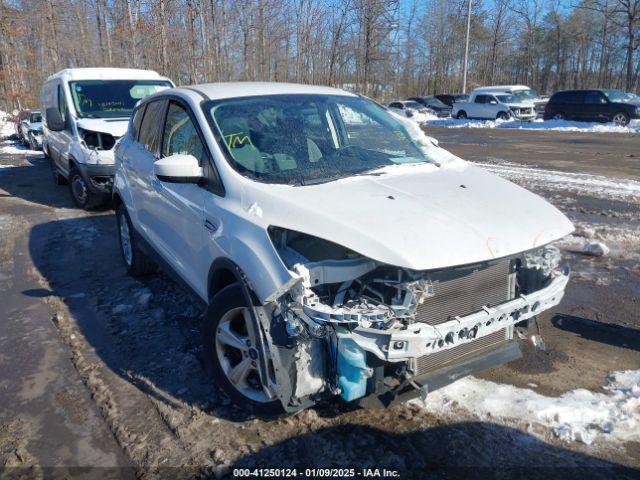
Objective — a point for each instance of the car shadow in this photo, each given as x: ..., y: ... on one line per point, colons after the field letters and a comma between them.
x: 34, y: 183
x: 610, y: 334
x: 466, y: 450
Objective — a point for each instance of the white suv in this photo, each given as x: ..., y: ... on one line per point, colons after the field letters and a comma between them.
x: 340, y: 250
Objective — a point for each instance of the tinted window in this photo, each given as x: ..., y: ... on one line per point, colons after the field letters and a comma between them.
x: 594, y: 98
x: 180, y: 134
x: 567, y: 97
x: 35, y: 117
x: 396, y: 105
x: 137, y: 120
x: 481, y: 99
x: 150, y: 127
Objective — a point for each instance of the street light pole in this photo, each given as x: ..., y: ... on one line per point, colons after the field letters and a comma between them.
x: 466, y: 50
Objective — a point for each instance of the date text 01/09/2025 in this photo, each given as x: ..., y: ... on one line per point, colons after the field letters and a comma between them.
x: 315, y: 473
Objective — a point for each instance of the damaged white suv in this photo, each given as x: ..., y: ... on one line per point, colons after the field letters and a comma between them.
x: 339, y: 249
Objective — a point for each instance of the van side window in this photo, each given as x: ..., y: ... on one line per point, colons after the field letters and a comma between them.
x: 151, y: 125
x: 62, y: 102
x: 180, y: 134
x: 137, y: 120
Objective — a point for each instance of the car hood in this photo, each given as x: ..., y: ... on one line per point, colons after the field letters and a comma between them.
x: 116, y: 126
x: 36, y: 126
x: 419, y: 217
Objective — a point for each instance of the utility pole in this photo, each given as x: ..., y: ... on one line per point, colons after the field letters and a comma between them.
x: 466, y: 50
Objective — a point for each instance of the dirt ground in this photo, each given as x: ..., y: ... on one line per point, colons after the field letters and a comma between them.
x: 100, y: 373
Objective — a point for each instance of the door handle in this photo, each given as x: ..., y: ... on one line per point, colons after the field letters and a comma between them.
x: 211, y: 226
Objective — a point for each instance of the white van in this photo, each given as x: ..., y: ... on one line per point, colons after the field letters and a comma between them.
x: 84, y: 112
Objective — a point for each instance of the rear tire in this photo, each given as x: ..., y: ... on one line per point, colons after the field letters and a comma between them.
x: 229, y: 347
x: 135, y: 260
x: 621, y: 118
x: 82, y: 196
x: 462, y: 115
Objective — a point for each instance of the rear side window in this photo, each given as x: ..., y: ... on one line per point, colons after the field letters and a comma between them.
x: 137, y: 120
x: 481, y: 99
x: 567, y: 97
x: 150, y: 128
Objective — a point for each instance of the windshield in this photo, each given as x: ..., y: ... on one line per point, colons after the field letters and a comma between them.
x: 414, y: 105
x: 111, y: 98
x: 35, y: 118
x: 524, y: 95
x: 618, y: 96
x: 507, y: 98
x: 434, y: 102
x: 304, y: 139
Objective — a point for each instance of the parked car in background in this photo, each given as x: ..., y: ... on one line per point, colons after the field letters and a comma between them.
x: 596, y: 105
x: 523, y: 93
x: 30, y: 130
x: 85, y: 111
x: 493, y: 106
x: 339, y: 249
x: 440, y: 109
x: 450, y: 99
x: 408, y: 108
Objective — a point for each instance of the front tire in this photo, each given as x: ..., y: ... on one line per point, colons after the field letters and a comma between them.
x: 82, y: 196
x: 135, y: 260
x: 230, y: 343
x: 462, y: 115
x: 503, y: 116
x: 621, y: 118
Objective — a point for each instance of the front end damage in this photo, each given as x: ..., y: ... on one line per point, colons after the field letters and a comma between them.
x: 375, y: 333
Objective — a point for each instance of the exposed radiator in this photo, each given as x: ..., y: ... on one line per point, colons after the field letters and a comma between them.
x: 435, y: 361
x: 462, y: 295
x: 467, y: 294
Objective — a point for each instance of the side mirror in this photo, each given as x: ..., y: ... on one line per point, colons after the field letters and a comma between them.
x: 493, y: 102
x: 178, y: 169
x: 55, y: 122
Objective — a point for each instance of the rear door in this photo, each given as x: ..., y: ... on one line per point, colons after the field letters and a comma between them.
x: 479, y: 106
x: 596, y: 106
x: 141, y: 155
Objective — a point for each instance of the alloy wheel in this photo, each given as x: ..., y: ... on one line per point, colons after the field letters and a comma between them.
x: 620, y: 119
x: 236, y: 348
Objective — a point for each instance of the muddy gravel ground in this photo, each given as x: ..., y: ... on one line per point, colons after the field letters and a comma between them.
x: 101, y: 374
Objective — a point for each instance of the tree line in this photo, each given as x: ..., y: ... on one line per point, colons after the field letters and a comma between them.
x: 381, y: 48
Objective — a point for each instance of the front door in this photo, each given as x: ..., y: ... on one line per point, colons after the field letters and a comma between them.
x: 178, y: 210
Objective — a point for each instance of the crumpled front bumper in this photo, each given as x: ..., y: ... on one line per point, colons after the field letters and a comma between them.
x: 421, y: 339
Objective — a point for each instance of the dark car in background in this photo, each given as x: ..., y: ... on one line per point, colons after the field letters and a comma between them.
x: 449, y: 99
x: 442, y: 110
x: 596, y: 105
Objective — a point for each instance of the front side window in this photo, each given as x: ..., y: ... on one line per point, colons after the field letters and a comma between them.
x: 137, y: 121
x: 507, y: 98
x: 62, y: 102
x: 111, y: 98
x: 594, y: 98
x: 480, y: 99
x: 180, y: 134
x: 302, y: 139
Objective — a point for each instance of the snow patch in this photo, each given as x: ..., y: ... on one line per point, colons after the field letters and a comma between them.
x: 597, y: 186
x: 7, y: 127
x: 539, y: 124
x: 578, y: 415
x: 11, y: 148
